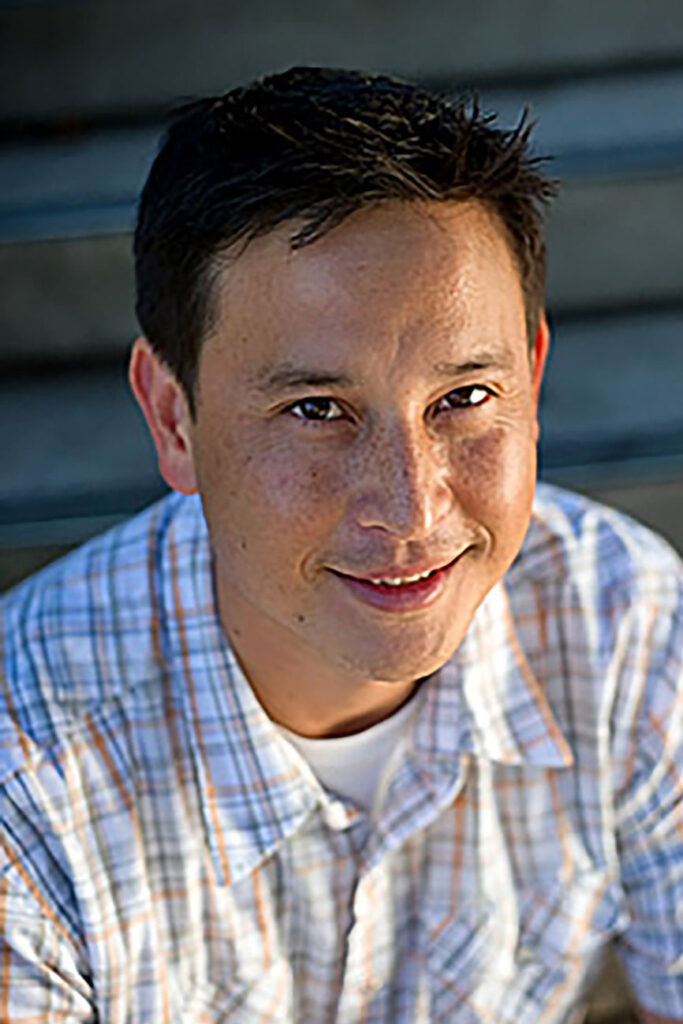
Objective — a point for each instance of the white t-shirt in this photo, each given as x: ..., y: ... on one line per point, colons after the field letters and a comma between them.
x: 352, y: 766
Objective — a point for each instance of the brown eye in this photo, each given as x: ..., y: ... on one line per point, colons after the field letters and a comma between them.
x: 464, y: 398
x: 316, y: 410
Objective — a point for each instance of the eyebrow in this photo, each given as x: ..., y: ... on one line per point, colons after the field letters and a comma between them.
x: 287, y: 376
x: 480, y: 361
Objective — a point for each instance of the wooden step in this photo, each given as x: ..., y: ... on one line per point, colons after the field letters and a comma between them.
x: 80, y: 57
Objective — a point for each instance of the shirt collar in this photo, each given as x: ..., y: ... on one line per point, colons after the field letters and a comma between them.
x: 487, y: 700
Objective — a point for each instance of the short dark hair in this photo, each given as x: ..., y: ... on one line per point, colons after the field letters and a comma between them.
x: 314, y: 145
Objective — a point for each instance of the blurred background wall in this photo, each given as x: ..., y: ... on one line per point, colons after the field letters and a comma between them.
x: 84, y: 89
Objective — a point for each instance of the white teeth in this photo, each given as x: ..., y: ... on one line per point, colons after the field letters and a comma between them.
x: 402, y: 581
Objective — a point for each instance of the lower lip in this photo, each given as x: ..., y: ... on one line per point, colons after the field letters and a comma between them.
x: 408, y: 597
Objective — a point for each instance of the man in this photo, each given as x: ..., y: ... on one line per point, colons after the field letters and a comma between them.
x: 344, y: 729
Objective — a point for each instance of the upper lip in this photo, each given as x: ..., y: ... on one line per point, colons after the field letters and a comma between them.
x: 399, y: 572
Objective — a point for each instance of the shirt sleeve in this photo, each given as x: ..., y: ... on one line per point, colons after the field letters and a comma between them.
x: 41, y: 973
x: 649, y: 820
x: 44, y: 969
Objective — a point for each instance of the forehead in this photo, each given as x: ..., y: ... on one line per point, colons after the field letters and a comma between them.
x: 433, y: 273
x: 427, y: 239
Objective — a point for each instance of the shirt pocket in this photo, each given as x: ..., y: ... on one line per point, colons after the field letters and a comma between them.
x: 524, y: 958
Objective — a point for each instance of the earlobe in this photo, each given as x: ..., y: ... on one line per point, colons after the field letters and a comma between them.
x: 166, y: 413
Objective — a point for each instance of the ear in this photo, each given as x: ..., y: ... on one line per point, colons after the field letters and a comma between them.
x: 537, y: 358
x: 538, y: 355
x: 167, y: 414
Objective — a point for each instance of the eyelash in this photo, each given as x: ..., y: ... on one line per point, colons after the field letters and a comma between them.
x: 318, y: 401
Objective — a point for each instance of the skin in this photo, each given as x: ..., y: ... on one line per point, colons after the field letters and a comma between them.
x: 366, y: 406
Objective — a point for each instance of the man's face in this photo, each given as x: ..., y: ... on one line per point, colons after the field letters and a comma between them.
x: 366, y: 412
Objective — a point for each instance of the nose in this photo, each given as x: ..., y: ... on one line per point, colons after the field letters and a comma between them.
x: 404, y: 486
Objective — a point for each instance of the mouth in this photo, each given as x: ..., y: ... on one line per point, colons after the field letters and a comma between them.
x: 394, y: 592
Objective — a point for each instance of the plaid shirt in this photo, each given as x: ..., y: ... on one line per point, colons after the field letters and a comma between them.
x: 167, y: 856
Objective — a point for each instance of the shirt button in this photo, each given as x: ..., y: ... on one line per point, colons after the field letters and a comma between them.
x: 338, y: 817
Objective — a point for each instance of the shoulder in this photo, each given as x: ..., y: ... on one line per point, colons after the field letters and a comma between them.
x: 84, y: 631
x: 598, y: 606
x: 595, y: 554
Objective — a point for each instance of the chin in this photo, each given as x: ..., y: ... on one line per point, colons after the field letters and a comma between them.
x: 401, y: 661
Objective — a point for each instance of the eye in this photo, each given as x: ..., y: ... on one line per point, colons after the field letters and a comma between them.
x: 316, y: 410
x: 464, y: 398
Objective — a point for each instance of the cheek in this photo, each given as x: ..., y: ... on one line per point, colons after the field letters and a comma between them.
x: 496, y: 474
x: 274, y: 486
x: 295, y: 489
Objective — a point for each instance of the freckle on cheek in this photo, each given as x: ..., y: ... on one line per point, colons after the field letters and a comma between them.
x: 481, y: 456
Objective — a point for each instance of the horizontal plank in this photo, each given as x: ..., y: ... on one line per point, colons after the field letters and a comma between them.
x: 77, y: 447
x: 610, y: 244
x: 613, y: 395
x: 18, y: 562
x: 77, y: 452
x: 611, y: 125
x: 81, y: 56
x: 87, y: 181
x: 616, y: 242
x: 66, y: 300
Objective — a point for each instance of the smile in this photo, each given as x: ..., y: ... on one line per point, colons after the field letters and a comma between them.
x: 393, y: 593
